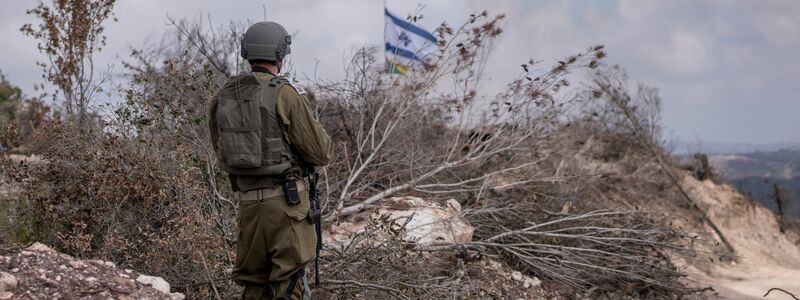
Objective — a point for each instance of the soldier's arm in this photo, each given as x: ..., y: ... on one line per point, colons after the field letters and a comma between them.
x: 304, y: 132
x: 212, y: 121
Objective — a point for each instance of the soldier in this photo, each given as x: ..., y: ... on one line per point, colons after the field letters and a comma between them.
x: 265, y: 136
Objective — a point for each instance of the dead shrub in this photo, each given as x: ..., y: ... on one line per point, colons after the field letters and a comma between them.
x: 137, y: 202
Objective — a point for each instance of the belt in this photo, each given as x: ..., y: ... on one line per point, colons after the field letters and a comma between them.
x: 258, y: 194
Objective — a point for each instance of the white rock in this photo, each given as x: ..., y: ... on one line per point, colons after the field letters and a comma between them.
x: 527, y: 282
x: 425, y: 223
x: 516, y: 275
x: 532, y: 282
x: 7, y: 282
x: 40, y: 247
x: 157, y: 283
x: 77, y: 264
x: 453, y: 205
x: 177, y: 296
x: 6, y: 295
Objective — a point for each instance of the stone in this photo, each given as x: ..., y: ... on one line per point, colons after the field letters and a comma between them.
x: 157, y: 283
x: 453, y: 205
x: 425, y: 222
x: 8, y: 282
x: 531, y: 282
x: 40, y: 247
x: 6, y: 295
x: 516, y: 275
x: 125, y: 282
x: 76, y: 264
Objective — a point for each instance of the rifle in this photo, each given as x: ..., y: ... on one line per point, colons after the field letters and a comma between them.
x: 315, y: 216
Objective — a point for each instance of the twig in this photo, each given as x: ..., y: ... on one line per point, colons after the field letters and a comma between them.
x: 391, y: 291
x: 208, y: 275
x: 782, y: 290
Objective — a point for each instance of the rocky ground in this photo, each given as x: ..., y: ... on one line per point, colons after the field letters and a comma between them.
x: 39, y: 272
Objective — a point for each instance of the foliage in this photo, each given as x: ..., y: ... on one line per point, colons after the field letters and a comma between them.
x: 69, y: 34
x: 19, y: 116
x: 10, y: 98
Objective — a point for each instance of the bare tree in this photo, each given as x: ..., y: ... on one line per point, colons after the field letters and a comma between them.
x: 408, y: 136
x: 784, y: 200
x: 610, y: 84
x: 70, y: 33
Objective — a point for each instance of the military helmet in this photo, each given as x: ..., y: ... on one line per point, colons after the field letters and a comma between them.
x: 266, y: 41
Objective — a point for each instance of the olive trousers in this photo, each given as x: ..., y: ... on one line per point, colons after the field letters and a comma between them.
x: 275, y: 241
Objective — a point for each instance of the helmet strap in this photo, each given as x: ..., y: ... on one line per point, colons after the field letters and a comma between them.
x: 261, y: 69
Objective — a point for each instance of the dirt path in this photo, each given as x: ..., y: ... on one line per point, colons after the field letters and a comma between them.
x: 754, y: 283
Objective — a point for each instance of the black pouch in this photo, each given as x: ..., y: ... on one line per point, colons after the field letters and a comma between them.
x: 291, y: 192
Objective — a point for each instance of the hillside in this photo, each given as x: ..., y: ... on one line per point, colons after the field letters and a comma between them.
x: 765, y: 257
x: 756, y: 174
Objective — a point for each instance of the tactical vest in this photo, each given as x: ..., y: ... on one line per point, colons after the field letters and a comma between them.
x: 251, y: 140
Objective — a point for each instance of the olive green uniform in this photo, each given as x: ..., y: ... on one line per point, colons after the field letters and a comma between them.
x: 276, y: 240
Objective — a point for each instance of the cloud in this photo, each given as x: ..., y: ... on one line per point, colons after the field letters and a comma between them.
x: 685, y: 54
x: 716, y: 62
x: 779, y: 30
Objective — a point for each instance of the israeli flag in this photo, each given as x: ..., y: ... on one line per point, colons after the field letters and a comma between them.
x: 406, y: 44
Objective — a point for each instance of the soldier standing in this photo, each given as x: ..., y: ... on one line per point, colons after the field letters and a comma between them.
x: 266, y: 136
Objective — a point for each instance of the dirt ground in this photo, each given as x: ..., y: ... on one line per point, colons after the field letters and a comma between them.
x: 765, y: 257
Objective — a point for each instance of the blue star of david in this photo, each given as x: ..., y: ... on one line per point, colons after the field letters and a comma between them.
x: 404, y: 38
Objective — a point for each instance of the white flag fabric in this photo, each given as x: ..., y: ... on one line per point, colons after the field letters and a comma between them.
x: 406, y: 45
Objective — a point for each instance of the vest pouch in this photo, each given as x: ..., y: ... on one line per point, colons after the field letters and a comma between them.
x: 240, y: 138
x: 274, y: 151
x: 241, y: 147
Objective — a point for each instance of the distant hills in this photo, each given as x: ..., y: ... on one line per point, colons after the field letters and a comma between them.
x: 755, y: 174
x: 681, y: 147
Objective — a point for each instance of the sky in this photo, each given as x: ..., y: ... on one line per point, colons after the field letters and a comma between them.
x: 728, y: 70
